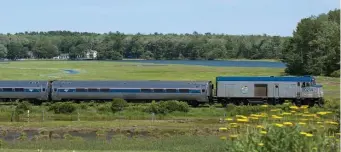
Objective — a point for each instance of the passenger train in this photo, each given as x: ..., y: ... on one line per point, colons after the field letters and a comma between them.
x: 235, y: 90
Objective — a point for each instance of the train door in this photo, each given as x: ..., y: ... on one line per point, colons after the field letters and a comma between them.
x: 229, y: 90
x: 276, y: 91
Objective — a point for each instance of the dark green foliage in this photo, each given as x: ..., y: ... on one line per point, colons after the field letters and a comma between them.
x: 118, y: 105
x: 165, y: 107
x: 115, y: 46
x: 314, y: 48
x: 335, y: 74
x: 22, y: 107
x: 63, y: 107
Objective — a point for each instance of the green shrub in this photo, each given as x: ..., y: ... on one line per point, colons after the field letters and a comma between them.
x: 165, y: 107
x: 23, y: 107
x: 83, y: 106
x: 103, y: 108
x: 63, y: 107
x: 335, y: 73
x: 118, y: 105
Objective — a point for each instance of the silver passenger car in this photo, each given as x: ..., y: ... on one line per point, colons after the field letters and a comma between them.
x: 34, y: 90
x: 132, y: 90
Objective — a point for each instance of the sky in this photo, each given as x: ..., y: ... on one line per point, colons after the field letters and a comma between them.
x: 234, y: 17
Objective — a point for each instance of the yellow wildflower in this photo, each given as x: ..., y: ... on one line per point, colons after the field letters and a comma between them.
x: 303, y: 133
x: 321, y: 126
x: 223, y: 138
x: 308, y: 135
x: 233, y: 123
x: 292, y: 111
x: 304, y: 107
x: 260, y: 126
x: 265, y: 106
x: 233, y: 136
x: 302, y: 123
x: 222, y: 129
x: 274, y: 110
x: 278, y: 125
x: 260, y: 144
x: 242, y: 120
x: 288, y: 123
x: 264, y: 115
x: 228, y: 119
x: 263, y: 132
x: 323, y: 112
x: 286, y: 113
x: 332, y: 122
x: 319, y: 122
x: 276, y: 117
x: 293, y: 107
x: 304, y: 119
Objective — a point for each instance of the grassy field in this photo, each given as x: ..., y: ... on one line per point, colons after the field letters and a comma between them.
x: 195, y: 130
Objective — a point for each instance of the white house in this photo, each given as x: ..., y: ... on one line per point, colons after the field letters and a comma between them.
x: 91, y: 54
x: 64, y: 56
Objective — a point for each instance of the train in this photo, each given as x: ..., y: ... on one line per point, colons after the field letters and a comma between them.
x: 301, y: 90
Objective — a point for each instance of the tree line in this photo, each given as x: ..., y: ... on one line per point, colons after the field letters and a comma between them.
x: 115, y: 46
x: 313, y: 49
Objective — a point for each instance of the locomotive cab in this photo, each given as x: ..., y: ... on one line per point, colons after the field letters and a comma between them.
x: 312, y: 91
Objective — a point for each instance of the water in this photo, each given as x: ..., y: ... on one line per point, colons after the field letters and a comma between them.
x: 218, y: 63
x: 71, y: 71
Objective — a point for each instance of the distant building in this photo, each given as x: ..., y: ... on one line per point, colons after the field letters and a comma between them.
x: 30, y: 55
x: 64, y: 56
x: 91, y: 54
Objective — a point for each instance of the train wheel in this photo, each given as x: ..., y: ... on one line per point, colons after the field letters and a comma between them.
x: 194, y: 103
x: 298, y: 102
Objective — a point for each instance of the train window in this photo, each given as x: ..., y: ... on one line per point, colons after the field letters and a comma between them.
x: 104, y: 90
x: 307, y: 84
x: 184, y: 90
x: 171, y: 90
x: 158, y: 90
x: 7, y: 89
x: 19, y: 89
x: 80, y: 90
x: 203, y: 90
x: 276, y: 85
x: 55, y: 89
x: 92, y: 90
x: 43, y: 89
x: 146, y: 90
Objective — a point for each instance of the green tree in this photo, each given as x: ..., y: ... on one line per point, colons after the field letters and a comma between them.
x: 3, y: 51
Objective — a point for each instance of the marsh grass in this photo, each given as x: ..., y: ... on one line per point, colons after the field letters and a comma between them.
x: 176, y: 143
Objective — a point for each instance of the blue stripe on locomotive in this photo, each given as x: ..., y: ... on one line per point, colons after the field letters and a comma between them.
x: 287, y: 79
x: 129, y: 91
